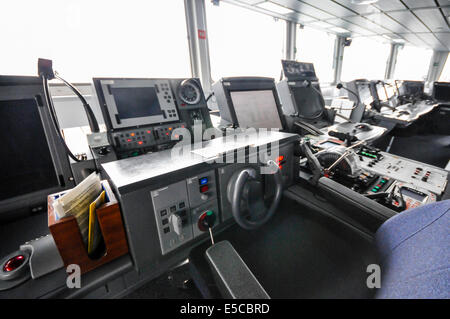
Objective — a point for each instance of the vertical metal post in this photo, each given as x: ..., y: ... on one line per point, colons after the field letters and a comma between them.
x: 437, y: 63
x: 198, y: 42
x: 338, y: 58
x: 392, y: 61
x: 290, y: 48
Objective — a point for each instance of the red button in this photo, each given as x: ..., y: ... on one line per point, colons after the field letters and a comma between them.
x: 204, y: 188
x: 14, y: 263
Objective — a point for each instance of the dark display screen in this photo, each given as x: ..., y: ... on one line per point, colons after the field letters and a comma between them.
x: 308, y: 102
x: 442, y: 92
x: 411, y: 88
x: 136, y: 102
x: 26, y: 165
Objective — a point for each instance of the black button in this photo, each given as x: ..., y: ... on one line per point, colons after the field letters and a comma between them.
x: 166, y: 230
x: 181, y: 205
x: 173, y: 209
x: 163, y: 212
x: 165, y: 221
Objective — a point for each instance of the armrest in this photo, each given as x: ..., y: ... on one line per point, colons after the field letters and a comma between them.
x: 232, y: 276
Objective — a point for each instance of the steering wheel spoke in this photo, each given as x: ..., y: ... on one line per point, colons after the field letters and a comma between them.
x: 244, y: 186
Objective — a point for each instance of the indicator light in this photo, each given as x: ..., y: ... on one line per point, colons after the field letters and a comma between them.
x: 148, y: 131
x: 132, y: 134
x: 13, y: 263
x: 203, y: 181
x: 140, y: 142
x: 129, y: 140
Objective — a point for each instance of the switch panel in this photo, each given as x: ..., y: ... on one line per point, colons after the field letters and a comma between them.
x: 202, y: 188
x: 199, y: 211
x: 172, y: 215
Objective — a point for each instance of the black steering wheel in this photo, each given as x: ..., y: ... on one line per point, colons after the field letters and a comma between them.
x: 244, y: 186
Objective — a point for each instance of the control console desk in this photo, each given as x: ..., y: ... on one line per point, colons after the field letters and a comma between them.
x: 165, y: 198
x: 406, y: 114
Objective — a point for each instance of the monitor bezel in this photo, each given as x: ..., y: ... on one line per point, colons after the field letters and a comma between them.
x: 109, y: 108
x: 21, y: 88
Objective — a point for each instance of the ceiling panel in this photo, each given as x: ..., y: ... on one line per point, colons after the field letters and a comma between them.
x: 444, y: 37
x: 409, y: 21
x: 365, y: 23
x: 419, y: 3
x: 361, y: 9
x: 388, y: 23
x: 329, y: 6
x: 389, y: 5
x: 395, y: 18
x: 432, y: 41
x: 305, y: 9
x: 413, y: 39
x: 433, y: 19
x: 301, y: 18
x: 350, y: 26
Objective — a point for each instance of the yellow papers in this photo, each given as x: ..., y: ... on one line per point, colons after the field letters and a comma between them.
x: 95, y: 234
x: 76, y: 202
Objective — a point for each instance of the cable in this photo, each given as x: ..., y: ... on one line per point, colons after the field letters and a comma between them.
x: 93, y: 124
x: 209, y: 96
x: 54, y: 118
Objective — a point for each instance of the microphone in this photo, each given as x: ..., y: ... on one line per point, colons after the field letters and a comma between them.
x: 340, y: 86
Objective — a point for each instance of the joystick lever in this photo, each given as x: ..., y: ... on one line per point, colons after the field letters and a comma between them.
x: 208, y: 220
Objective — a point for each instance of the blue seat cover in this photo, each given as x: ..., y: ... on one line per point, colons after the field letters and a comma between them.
x: 414, y: 251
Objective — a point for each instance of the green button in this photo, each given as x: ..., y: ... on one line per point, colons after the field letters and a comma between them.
x: 374, y: 190
x: 209, y: 212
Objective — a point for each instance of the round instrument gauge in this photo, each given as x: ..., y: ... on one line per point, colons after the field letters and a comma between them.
x: 189, y: 92
x: 347, y: 166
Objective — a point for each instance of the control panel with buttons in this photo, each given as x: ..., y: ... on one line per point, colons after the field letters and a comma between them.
x: 418, y: 174
x: 145, y: 137
x: 184, y: 210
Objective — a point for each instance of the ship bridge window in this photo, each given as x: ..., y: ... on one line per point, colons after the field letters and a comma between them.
x: 317, y: 46
x: 412, y: 63
x: 84, y: 38
x: 365, y: 58
x: 243, y: 42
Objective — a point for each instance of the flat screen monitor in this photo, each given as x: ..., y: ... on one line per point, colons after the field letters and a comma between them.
x: 129, y: 103
x: 27, y: 164
x: 413, y: 88
x: 298, y: 71
x: 441, y: 91
x: 308, y: 101
x: 256, y: 108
